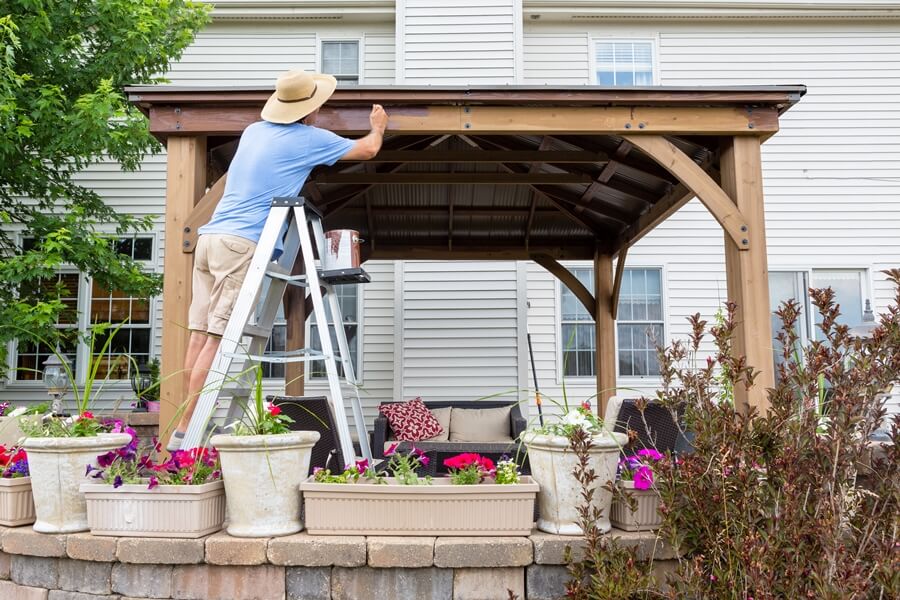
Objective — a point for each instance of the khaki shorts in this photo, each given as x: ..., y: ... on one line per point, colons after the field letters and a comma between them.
x: 220, y: 264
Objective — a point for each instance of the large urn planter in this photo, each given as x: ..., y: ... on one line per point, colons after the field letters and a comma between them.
x: 170, y: 511
x: 553, y: 464
x: 485, y: 509
x: 16, y: 502
x: 58, y: 468
x: 262, y: 476
x: 646, y: 515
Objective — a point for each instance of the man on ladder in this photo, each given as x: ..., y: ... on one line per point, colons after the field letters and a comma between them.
x: 273, y: 159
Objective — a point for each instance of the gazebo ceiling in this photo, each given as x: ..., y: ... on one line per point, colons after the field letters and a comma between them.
x: 496, y: 173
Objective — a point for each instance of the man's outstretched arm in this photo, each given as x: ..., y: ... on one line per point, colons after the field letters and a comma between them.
x: 367, y: 147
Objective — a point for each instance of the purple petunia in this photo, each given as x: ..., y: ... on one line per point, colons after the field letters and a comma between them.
x: 117, y: 482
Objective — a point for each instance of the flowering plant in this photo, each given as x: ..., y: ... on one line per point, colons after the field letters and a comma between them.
x: 13, y: 462
x: 469, y: 468
x: 184, y: 467
x: 261, y: 417
x: 352, y: 474
x: 403, y: 466
x: 580, y: 417
x: 639, y: 468
x: 506, y: 472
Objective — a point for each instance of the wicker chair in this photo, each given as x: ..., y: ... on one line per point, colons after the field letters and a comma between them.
x: 655, y: 429
x: 313, y: 413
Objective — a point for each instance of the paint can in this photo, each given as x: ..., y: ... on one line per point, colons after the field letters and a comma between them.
x: 341, y: 250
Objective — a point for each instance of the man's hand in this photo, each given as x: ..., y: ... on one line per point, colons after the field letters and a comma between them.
x: 378, y: 118
x: 367, y: 147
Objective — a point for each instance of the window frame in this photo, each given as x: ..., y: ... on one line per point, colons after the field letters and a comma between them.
x: 308, y: 378
x: 654, y: 54
x: 360, y: 49
x: 590, y: 380
x: 359, y: 367
x: 866, y: 291
x: 85, y: 295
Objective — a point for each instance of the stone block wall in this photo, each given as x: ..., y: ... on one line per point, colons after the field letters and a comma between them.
x: 36, y: 566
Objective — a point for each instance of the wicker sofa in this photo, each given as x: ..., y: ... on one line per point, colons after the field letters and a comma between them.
x: 383, y: 437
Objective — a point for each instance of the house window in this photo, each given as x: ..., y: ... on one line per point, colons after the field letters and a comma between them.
x: 133, y: 337
x: 624, y: 63
x: 30, y: 356
x: 577, y: 329
x: 850, y: 292
x: 640, y: 326
x: 341, y: 59
x: 348, y: 298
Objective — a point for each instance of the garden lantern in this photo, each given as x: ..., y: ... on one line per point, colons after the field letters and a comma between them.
x: 56, y: 379
x: 141, y: 380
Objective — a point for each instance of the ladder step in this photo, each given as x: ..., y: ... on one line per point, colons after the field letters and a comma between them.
x: 337, y: 276
x: 278, y: 272
x: 256, y: 331
x: 291, y: 356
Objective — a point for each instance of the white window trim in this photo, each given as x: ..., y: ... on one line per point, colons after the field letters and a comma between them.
x: 361, y: 47
x: 867, y: 287
x: 360, y: 335
x: 625, y: 380
x: 654, y: 53
x: 85, y: 288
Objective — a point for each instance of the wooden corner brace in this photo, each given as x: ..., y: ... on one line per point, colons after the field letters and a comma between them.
x: 689, y: 173
x: 201, y: 214
x: 569, y: 280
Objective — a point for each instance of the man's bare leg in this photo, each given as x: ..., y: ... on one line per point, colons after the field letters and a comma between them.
x: 200, y: 355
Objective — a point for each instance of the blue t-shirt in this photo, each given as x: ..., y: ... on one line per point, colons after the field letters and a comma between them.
x: 271, y: 161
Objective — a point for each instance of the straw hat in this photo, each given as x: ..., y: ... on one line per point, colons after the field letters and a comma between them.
x: 297, y: 93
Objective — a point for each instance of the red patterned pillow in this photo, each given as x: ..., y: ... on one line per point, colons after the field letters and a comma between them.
x: 411, y: 421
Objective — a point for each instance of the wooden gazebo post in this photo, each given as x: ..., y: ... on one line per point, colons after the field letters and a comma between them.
x: 185, y: 184
x: 605, y: 330
x: 747, y: 270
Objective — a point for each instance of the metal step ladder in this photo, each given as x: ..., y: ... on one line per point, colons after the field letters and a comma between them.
x: 300, y: 217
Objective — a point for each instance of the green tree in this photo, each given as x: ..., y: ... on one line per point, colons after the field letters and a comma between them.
x: 62, y: 67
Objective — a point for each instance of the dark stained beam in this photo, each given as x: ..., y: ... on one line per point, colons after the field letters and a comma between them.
x: 563, y: 250
x: 452, y: 178
x: 489, y: 156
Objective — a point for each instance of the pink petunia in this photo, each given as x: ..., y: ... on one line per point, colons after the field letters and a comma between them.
x: 390, y: 451
x: 650, y: 453
x: 643, y: 478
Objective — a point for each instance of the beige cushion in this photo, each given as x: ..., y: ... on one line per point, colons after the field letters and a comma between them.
x: 479, y: 424
x: 443, y: 417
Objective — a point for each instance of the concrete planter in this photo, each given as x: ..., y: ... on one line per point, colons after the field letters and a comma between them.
x: 441, y: 508
x: 170, y: 511
x: 10, y: 432
x: 645, y: 518
x: 57, y: 467
x: 552, y: 466
x: 16, y: 502
x: 262, y: 479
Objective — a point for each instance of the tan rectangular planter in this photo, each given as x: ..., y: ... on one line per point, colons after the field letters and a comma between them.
x: 16, y: 502
x: 437, y: 509
x: 172, y: 511
x: 645, y: 518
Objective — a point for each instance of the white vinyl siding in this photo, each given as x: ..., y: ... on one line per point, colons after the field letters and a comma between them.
x: 458, y: 41
x: 243, y: 58
x: 379, y: 59
x: 460, y: 330
x: 557, y: 59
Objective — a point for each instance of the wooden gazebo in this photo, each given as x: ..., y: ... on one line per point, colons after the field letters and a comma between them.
x: 545, y: 174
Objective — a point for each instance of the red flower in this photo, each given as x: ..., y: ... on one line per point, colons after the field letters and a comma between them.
x: 586, y: 405
x: 274, y: 410
x: 87, y: 415
x: 461, y: 461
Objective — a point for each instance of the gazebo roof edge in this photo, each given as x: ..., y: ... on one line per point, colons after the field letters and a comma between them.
x: 781, y: 96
